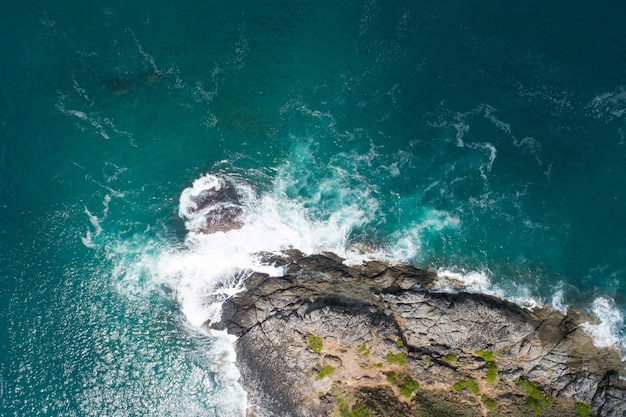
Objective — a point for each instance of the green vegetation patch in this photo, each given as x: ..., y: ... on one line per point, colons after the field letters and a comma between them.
x: 399, y: 343
x: 315, y: 343
x: 439, y: 404
x: 485, y: 355
x: 345, y: 411
x: 583, y: 410
x: 363, y: 350
x: 470, y: 385
x: 536, y: 399
x: 489, y: 403
x: 324, y: 372
x: 408, y: 386
x: 492, y: 369
x: 396, y: 359
x: 492, y: 372
x: 451, y: 358
x: 359, y: 411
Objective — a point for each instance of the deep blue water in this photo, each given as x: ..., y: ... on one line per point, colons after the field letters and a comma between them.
x: 482, y: 139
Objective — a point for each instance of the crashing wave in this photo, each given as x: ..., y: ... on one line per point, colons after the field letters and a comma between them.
x: 211, y: 205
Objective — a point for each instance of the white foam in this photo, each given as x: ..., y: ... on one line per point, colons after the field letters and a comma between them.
x: 188, y: 206
x: 80, y: 114
x: 135, y: 271
x: 112, y: 191
x: 93, y: 121
x: 606, y: 331
x: 242, y: 48
x: 101, y: 125
x: 492, y: 157
x: 530, y: 145
x: 610, y: 105
x: 557, y: 301
x: 503, y: 126
x: 303, y: 108
x: 370, y: 10
x: 225, y: 347
x: 149, y: 58
x: 407, y: 243
x: 105, y: 203
x: 479, y: 281
x: 524, y: 297
x: 95, y: 222
x: 401, y: 159
x: 87, y: 240
x: 473, y: 281
x: 212, y: 267
x: 461, y: 129
x: 82, y: 92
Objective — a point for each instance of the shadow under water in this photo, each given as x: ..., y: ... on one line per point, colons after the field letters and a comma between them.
x: 119, y: 86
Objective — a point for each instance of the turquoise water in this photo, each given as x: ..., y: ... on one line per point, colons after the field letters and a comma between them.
x: 485, y: 141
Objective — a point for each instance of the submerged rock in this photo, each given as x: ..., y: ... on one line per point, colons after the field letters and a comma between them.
x: 329, y: 338
x: 119, y: 86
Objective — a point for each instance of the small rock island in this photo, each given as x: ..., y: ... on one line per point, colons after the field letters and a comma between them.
x: 328, y: 339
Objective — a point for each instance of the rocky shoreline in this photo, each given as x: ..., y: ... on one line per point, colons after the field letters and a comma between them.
x: 328, y: 339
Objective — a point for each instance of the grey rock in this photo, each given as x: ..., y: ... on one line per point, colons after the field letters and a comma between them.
x: 390, y: 308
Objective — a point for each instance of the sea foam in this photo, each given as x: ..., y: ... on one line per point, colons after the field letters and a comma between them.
x: 209, y: 268
x: 212, y: 266
x: 606, y: 330
x: 610, y: 322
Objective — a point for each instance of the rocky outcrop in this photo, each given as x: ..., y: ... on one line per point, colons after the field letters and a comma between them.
x: 329, y: 339
x: 211, y: 205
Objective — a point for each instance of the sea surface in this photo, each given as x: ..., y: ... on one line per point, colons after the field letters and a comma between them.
x: 484, y: 140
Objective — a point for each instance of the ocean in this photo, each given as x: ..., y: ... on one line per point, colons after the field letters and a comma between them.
x: 483, y: 140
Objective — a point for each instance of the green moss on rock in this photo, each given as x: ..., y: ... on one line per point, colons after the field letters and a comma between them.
x: 359, y: 411
x: 315, y: 343
x: 492, y: 372
x: 583, y: 410
x: 485, y: 355
x: 382, y: 401
x: 451, y: 358
x: 396, y: 359
x: 442, y: 404
x: 489, y: 403
x: 536, y: 399
x: 408, y: 386
x: 324, y: 372
x: 470, y: 385
x: 363, y: 350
